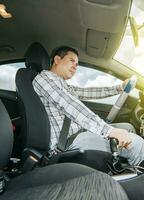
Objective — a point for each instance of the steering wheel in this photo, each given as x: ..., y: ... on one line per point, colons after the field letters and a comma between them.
x: 121, y: 100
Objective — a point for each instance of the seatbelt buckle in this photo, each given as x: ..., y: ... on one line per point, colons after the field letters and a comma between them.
x: 29, y: 164
x: 30, y: 158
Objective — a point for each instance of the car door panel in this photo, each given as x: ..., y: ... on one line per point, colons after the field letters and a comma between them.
x: 103, y: 109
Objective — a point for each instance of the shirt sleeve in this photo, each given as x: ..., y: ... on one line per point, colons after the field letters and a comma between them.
x: 73, y: 108
x: 97, y: 92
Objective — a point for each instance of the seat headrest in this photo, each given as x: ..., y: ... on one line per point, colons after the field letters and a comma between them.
x: 36, y: 57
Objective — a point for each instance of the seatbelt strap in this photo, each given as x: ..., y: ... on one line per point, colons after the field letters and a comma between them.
x: 64, y: 134
x: 72, y: 137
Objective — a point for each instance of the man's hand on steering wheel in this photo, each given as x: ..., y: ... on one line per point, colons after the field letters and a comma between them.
x: 124, y: 83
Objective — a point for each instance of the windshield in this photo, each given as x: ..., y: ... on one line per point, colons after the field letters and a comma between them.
x: 131, y: 51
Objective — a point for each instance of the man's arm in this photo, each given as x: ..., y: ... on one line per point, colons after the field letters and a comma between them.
x: 78, y: 112
x: 73, y: 108
x: 97, y: 92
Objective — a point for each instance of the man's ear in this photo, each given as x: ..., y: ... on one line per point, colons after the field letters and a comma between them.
x: 57, y: 59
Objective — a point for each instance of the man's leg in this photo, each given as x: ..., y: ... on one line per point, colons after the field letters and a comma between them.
x: 127, y: 126
x: 91, y: 141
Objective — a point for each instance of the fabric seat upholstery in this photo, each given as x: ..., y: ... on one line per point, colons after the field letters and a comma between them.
x: 35, y: 123
x: 55, y: 182
x: 6, y: 136
x: 62, y: 182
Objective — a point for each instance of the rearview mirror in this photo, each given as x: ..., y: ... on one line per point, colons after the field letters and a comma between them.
x: 134, y: 29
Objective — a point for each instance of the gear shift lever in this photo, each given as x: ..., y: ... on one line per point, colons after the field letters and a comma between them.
x: 115, y: 166
x: 114, y: 149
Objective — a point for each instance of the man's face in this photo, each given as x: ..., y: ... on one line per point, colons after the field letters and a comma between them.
x: 67, y: 65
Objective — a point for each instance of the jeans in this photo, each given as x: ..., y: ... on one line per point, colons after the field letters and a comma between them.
x: 90, y: 141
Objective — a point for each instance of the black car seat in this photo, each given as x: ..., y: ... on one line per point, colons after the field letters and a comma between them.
x: 35, y: 122
x: 56, y: 182
x: 6, y: 137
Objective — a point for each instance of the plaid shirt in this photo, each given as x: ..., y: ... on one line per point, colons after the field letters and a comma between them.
x: 61, y: 99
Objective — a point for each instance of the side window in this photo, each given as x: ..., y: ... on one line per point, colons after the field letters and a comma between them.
x: 7, y: 75
x: 87, y: 77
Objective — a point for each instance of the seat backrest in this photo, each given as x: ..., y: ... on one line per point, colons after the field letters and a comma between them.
x: 6, y: 136
x: 35, y: 122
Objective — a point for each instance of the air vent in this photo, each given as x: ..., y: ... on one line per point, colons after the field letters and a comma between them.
x: 105, y: 2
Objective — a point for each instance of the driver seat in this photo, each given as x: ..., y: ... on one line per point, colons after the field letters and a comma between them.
x: 35, y: 122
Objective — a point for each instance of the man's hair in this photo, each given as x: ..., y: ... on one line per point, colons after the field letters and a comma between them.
x: 62, y: 51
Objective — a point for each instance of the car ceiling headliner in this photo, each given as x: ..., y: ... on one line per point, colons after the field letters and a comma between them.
x: 94, y: 27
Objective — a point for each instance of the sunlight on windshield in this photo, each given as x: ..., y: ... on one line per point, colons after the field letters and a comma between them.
x: 129, y: 54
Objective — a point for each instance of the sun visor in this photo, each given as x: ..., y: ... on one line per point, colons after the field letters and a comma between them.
x: 104, y: 23
x: 106, y: 18
x: 96, y: 42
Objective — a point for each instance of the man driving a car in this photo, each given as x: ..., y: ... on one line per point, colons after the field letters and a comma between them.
x: 89, y: 130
